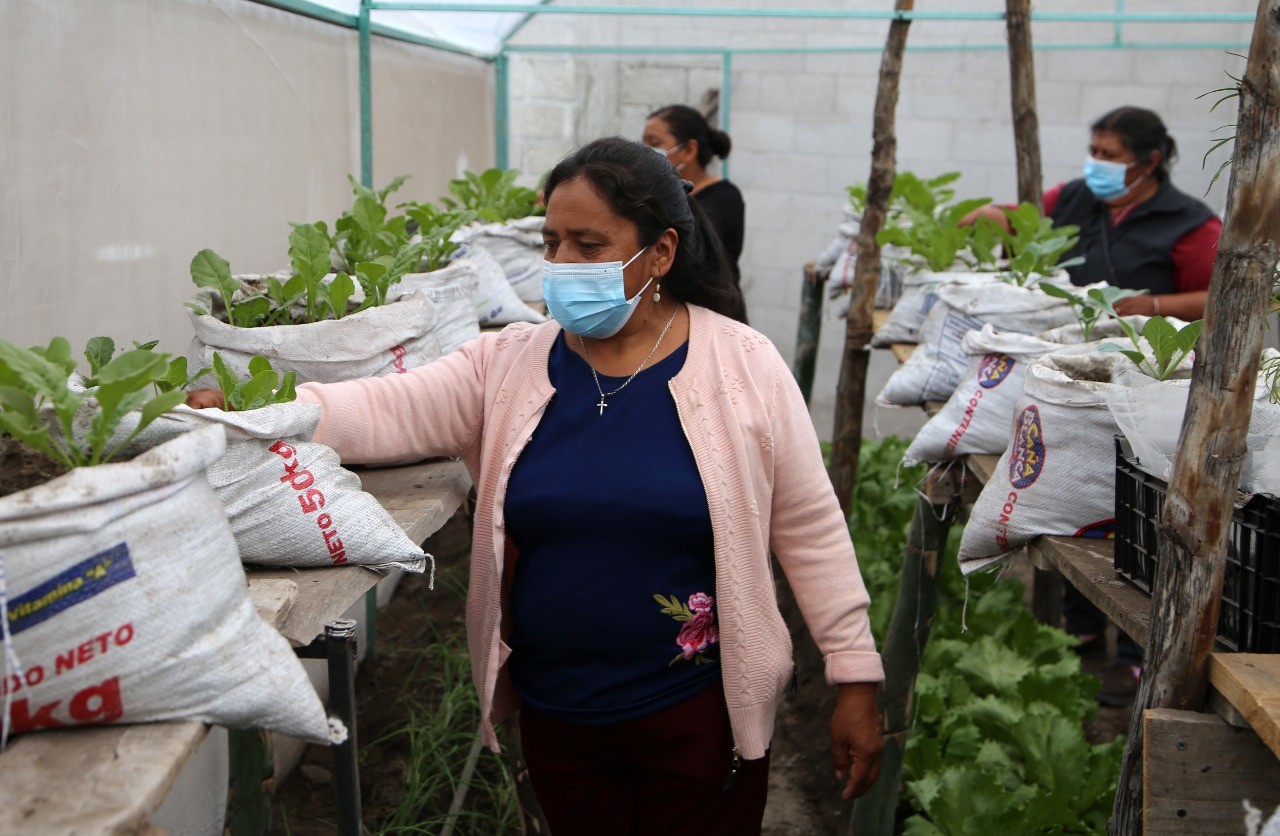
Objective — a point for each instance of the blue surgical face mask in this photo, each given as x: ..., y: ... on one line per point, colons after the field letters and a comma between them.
x: 1106, y: 179
x: 666, y: 152
x: 589, y: 298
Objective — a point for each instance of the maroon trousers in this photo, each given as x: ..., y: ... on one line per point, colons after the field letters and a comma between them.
x: 654, y: 776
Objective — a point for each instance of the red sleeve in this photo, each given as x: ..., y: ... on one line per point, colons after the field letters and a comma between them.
x: 1193, y: 256
x: 1050, y: 198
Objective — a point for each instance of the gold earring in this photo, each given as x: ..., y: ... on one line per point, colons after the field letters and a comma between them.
x: 657, y: 291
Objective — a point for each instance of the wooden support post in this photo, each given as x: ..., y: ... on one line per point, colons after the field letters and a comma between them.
x: 1197, y: 771
x: 851, y: 389
x: 936, y: 508
x: 1022, y: 82
x: 1046, y: 597
x: 1206, y: 470
x: 810, y: 327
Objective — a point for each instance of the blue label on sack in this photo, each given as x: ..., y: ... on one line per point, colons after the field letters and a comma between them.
x: 73, y: 586
x: 1026, y: 456
x: 994, y: 369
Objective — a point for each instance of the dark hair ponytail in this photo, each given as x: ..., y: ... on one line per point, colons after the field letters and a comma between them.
x: 645, y: 189
x: 686, y: 123
x: 1141, y: 132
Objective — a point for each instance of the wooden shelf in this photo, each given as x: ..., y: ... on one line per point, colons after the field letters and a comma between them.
x: 1250, y: 682
x: 112, y: 779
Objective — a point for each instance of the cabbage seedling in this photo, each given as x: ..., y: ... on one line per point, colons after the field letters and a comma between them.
x: 1169, y: 345
x: 1090, y: 307
x: 263, y: 388
x: 492, y: 195
x: 34, y: 381
x: 1034, y: 245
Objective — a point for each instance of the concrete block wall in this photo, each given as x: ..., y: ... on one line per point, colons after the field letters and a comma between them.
x: 801, y: 124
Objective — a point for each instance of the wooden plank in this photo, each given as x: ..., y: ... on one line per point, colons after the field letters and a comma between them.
x: 1197, y: 771
x: 273, y: 598
x: 1251, y: 683
x: 91, y: 780
x: 1088, y: 565
x: 982, y: 467
x: 421, y: 497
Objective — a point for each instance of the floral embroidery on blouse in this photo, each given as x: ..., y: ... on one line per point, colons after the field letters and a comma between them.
x: 698, y: 632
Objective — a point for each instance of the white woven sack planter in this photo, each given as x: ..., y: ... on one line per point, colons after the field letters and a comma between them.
x: 1058, y: 474
x: 1150, y: 414
x: 919, y: 294
x: 517, y: 247
x: 388, y: 339
x: 495, y: 301
x: 452, y: 289
x: 127, y: 603
x: 975, y: 420
x: 289, y: 500
x: 936, y: 367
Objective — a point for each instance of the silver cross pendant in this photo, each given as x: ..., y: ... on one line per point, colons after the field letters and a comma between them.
x: 602, y: 404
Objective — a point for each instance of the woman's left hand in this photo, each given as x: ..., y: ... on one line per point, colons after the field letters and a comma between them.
x: 856, y: 742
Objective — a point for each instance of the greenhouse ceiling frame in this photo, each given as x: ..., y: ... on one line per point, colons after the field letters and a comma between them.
x: 366, y: 29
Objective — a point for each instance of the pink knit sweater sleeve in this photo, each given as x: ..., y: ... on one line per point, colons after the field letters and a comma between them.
x: 811, y: 539
x: 433, y: 410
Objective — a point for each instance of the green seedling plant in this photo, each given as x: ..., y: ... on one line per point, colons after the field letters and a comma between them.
x: 99, y: 351
x: 1169, y: 345
x: 365, y: 232
x: 1096, y: 303
x: 35, y: 379
x: 1033, y: 245
x: 263, y: 388
x: 493, y: 195
x: 929, y: 224
x: 436, y: 227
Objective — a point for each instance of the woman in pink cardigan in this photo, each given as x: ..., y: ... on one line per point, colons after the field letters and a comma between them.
x: 635, y: 463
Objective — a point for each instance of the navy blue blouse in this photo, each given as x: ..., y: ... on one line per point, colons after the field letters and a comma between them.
x: 609, y: 514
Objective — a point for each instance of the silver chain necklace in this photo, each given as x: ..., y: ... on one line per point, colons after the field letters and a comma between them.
x: 643, y: 363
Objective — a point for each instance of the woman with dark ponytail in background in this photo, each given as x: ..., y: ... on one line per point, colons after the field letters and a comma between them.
x: 636, y: 461
x: 688, y: 141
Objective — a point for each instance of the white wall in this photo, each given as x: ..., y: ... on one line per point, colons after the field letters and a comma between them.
x: 139, y: 132
x: 801, y: 125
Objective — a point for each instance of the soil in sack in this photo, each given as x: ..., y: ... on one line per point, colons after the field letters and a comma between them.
x: 127, y: 603
x: 22, y: 468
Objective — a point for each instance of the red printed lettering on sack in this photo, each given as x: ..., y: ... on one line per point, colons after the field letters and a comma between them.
x: 963, y: 428
x: 94, y: 705
x: 79, y: 654
x: 1002, y: 522
x: 310, y: 499
x: 398, y: 352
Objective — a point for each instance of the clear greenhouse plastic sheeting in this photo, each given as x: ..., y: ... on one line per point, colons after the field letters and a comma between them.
x: 483, y: 33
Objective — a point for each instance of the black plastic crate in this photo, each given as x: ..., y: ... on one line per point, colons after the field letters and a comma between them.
x: 1249, y: 619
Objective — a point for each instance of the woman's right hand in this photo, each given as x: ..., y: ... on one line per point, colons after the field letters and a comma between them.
x: 991, y: 212
x: 205, y: 399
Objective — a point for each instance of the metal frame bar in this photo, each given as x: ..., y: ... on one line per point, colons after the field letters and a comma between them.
x: 573, y: 49
x: 813, y: 14
x: 338, y: 647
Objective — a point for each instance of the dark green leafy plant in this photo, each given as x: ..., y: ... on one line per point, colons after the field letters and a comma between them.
x: 263, y: 388
x: 365, y: 232
x: 493, y: 195
x: 997, y: 743
x: 99, y: 351
x: 1169, y: 345
x: 436, y: 227
x: 1033, y: 245
x: 928, y: 225
x: 35, y: 379
x: 1093, y: 305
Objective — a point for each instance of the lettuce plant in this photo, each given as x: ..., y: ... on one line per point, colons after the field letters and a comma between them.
x: 263, y: 388
x: 99, y: 351
x: 1090, y: 307
x: 493, y: 195
x: 35, y: 380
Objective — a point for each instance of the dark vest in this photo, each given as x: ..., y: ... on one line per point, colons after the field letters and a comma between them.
x: 1137, y: 253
